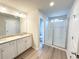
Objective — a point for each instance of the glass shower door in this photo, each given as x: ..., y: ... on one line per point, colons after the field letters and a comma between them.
x: 59, y: 32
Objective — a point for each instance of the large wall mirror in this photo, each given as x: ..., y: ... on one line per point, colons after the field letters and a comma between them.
x: 9, y: 24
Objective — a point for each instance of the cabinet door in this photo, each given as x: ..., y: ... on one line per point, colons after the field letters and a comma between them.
x: 13, y: 49
x: 73, y: 36
x: 8, y: 50
x: 29, y: 42
x: 20, y: 46
x: 25, y: 43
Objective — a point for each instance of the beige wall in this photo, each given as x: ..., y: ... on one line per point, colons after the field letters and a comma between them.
x: 33, y: 19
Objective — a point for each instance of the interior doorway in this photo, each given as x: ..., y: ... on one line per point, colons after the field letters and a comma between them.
x: 41, y: 32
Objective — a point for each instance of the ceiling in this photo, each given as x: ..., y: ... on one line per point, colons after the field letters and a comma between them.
x: 61, y: 6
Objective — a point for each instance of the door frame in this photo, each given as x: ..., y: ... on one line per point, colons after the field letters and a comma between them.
x: 39, y: 29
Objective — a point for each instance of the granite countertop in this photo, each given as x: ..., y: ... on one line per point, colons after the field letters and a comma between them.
x: 13, y: 37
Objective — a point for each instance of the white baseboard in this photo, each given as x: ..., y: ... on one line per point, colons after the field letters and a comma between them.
x: 35, y: 48
x: 48, y: 44
x: 63, y: 49
x: 56, y: 47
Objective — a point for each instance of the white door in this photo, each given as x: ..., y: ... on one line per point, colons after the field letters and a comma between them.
x: 58, y: 32
x: 74, y: 30
x: 12, y: 27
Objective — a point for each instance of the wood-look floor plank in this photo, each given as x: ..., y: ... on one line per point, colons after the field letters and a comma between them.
x: 63, y: 55
x: 44, y: 53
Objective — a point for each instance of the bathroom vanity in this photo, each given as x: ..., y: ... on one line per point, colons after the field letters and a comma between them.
x: 12, y: 46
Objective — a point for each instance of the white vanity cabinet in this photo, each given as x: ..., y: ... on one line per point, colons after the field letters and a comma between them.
x: 20, y: 46
x: 8, y: 50
x: 29, y: 41
x: 23, y: 44
x: 13, y: 48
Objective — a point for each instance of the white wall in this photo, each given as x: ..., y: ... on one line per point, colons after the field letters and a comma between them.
x: 23, y: 24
